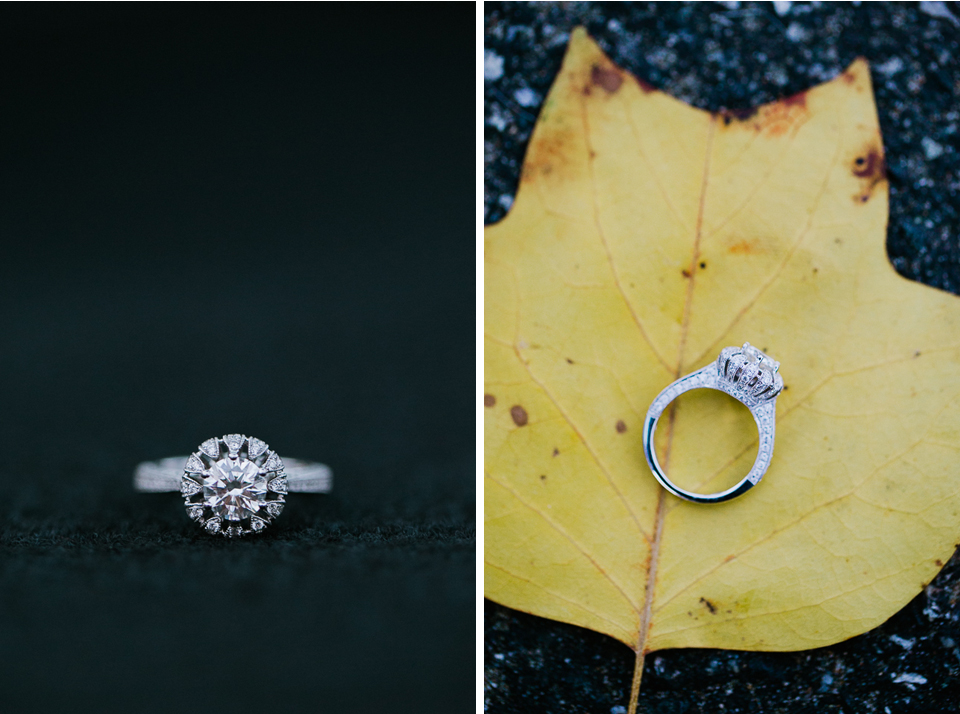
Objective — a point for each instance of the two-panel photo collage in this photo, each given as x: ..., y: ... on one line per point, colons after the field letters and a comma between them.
x: 503, y: 357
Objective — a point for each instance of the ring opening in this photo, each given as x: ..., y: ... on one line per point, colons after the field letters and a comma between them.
x: 713, y: 443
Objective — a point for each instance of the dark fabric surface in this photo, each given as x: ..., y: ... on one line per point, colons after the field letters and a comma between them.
x: 237, y: 218
x: 736, y: 55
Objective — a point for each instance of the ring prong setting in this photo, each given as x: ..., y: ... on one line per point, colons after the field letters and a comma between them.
x: 234, y: 493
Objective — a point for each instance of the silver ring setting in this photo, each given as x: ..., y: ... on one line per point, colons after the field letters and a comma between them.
x: 746, y: 374
x: 234, y: 485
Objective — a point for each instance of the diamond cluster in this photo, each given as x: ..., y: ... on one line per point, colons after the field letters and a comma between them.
x: 233, y: 485
x: 749, y: 375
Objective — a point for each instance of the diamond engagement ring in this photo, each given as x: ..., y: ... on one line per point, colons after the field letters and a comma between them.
x: 746, y: 374
x: 233, y: 485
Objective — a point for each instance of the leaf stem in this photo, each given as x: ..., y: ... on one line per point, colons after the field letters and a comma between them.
x: 635, y: 687
x: 661, y: 506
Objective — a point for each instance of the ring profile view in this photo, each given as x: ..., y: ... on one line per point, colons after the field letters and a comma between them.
x: 233, y: 485
x: 746, y: 374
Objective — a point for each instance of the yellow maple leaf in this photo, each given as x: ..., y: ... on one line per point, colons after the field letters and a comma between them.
x: 646, y: 236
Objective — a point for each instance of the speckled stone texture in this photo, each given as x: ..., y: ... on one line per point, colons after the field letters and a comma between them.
x: 736, y: 55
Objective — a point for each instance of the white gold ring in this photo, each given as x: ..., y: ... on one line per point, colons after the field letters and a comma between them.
x: 746, y: 374
x: 233, y: 485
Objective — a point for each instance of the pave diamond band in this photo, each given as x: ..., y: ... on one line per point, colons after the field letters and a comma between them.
x: 746, y: 374
x: 233, y: 485
x: 165, y: 475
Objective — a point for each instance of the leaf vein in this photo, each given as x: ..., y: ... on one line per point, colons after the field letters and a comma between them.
x: 759, y: 184
x: 606, y: 247
x: 573, y: 542
x: 586, y: 444
x: 800, y: 519
x: 801, y: 236
x: 776, y: 613
x: 555, y: 594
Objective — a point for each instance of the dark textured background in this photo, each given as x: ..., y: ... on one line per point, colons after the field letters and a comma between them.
x: 733, y: 55
x: 235, y: 218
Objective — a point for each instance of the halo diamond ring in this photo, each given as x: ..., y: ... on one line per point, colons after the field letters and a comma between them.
x: 233, y: 485
x: 746, y: 374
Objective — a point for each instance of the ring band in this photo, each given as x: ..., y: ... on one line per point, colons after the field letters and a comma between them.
x: 233, y: 485
x: 166, y: 474
x: 746, y: 374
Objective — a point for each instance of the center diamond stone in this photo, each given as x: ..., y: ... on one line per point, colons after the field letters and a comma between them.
x: 234, y: 488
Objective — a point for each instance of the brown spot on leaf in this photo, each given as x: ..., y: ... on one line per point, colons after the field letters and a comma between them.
x: 549, y: 152
x: 796, y: 100
x: 519, y: 415
x: 607, y: 78
x: 849, y: 77
x: 569, y: 361
x: 744, y: 114
x: 703, y: 264
x: 871, y: 168
x: 489, y: 400
x: 685, y: 273
x: 938, y: 562
x: 780, y: 117
x: 621, y: 427
x: 543, y: 477
x: 729, y: 558
x: 710, y: 606
x: 739, y: 114
x: 556, y: 451
x: 742, y: 247
x: 646, y: 86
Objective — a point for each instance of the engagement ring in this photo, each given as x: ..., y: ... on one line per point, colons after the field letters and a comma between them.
x: 746, y: 374
x: 233, y: 485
